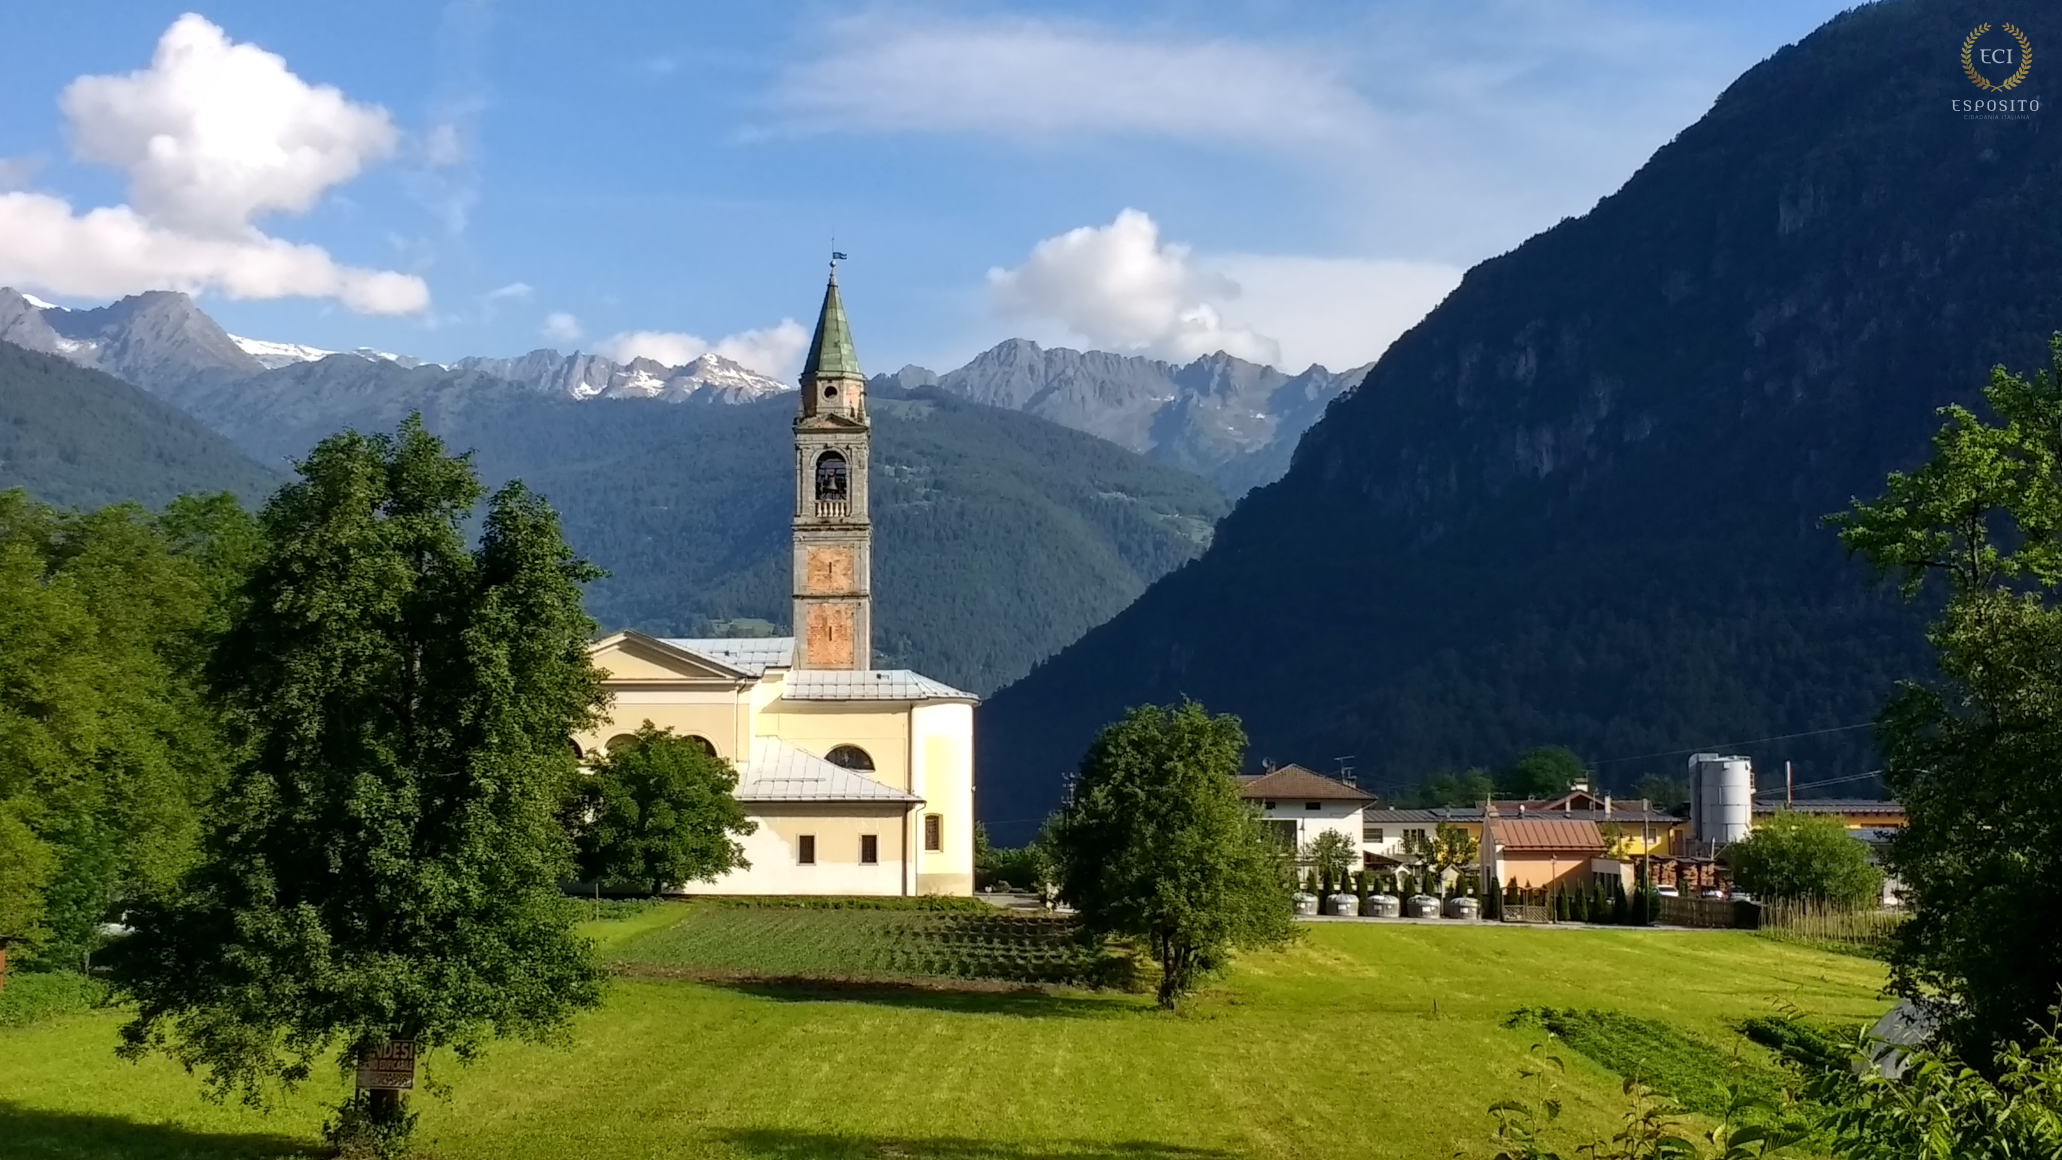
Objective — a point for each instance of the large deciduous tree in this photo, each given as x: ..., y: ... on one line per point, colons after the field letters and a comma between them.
x: 1806, y: 857
x: 659, y: 809
x: 1544, y: 772
x: 1158, y: 846
x: 383, y: 862
x: 1975, y: 754
x: 108, y: 743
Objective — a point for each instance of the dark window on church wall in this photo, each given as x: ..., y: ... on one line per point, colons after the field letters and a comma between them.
x: 805, y: 849
x: 934, y: 832
x: 830, y: 476
x: 620, y: 742
x: 869, y: 849
x: 851, y: 757
x: 707, y: 746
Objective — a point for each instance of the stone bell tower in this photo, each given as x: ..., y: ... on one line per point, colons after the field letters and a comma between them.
x: 833, y: 537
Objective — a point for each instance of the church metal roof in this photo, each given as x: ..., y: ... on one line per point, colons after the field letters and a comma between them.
x: 867, y: 685
x: 779, y: 772
x: 751, y: 655
x: 830, y: 351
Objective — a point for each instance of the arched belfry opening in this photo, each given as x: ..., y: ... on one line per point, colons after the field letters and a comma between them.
x: 832, y: 477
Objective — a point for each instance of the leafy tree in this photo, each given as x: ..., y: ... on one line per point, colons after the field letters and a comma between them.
x: 659, y: 810
x: 1662, y: 793
x: 1158, y: 846
x: 1804, y: 856
x: 1333, y: 854
x: 25, y: 866
x: 1545, y: 772
x: 108, y: 744
x: 1453, y: 790
x: 1976, y: 754
x: 383, y: 863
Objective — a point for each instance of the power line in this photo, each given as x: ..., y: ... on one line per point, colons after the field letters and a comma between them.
x: 1739, y: 744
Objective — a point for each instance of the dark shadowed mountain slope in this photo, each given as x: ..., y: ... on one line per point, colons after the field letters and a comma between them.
x: 79, y: 438
x: 1580, y: 503
x: 1000, y: 537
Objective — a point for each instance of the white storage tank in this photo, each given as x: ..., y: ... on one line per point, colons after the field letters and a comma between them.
x: 1721, y: 798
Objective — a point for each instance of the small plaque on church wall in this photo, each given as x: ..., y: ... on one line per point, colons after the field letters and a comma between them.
x: 390, y: 1067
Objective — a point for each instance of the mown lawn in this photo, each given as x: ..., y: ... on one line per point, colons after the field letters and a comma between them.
x: 1330, y: 1049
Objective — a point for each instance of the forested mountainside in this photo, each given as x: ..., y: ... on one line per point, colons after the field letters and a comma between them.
x: 1581, y: 502
x: 1227, y: 419
x: 79, y: 438
x: 1000, y: 537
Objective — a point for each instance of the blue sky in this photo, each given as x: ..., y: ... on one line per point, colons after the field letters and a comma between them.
x: 1292, y: 182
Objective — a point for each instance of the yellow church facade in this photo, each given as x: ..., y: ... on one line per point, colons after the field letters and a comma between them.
x: 860, y: 780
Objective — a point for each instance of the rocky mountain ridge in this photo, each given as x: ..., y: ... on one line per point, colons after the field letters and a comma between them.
x: 1234, y: 422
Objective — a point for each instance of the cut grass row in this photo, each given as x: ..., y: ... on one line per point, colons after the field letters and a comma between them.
x: 890, y: 944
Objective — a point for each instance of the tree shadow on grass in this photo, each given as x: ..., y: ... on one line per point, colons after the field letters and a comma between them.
x: 769, y: 1144
x: 34, y: 1133
x: 1022, y: 1002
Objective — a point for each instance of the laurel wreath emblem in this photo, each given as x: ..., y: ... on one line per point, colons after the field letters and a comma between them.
x: 1984, y: 83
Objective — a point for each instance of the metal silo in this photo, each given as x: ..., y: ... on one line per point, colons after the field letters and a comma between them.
x: 1721, y: 798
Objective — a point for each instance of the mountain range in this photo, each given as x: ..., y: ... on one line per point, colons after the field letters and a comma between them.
x: 1232, y: 421
x: 1581, y: 503
x: 1001, y: 536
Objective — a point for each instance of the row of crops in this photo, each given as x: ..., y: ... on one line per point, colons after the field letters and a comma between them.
x: 777, y: 942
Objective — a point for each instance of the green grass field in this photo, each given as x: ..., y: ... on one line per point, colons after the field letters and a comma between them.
x: 1329, y: 1049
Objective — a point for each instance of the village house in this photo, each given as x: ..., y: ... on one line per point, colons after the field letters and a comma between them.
x: 1297, y: 804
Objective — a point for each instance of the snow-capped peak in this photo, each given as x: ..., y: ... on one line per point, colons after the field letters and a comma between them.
x: 273, y: 355
x: 39, y: 304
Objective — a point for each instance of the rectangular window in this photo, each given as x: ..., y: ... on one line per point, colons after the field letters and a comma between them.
x: 1313, y: 805
x: 934, y: 832
x: 805, y: 849
x: 869, y: 850
x: 1372, y: 833
x: 1283, y: 833
x: 1270, y: 805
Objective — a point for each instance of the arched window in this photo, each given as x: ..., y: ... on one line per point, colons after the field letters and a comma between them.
x: 620, y: 742
x: 579, y: 754
x: 830, y: 476
x: 851, y: 757
x: 707, y: 746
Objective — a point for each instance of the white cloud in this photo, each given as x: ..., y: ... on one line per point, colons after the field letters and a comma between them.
x: 212, y: 135
x: 512, y: 290
x: 17, y: 172
x: 1039, y: 79
x: 114, y: 250
x: 774, y: 350
x: 1121, y: 287
x: 562, y: 327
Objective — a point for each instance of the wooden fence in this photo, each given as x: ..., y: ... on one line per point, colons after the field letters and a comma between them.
x: 1709, y: 913
x: 1862, y: 928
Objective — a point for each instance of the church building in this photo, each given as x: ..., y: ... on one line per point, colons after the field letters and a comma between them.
x: 861, y: 780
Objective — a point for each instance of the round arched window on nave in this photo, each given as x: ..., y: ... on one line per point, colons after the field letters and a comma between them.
x: 851, y: 757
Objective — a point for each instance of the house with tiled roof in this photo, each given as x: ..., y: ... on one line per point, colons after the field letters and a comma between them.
x: 861, y: 780
x: 1298, y: 804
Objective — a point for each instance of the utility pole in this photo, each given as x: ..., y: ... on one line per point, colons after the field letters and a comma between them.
x: 1789, y: 786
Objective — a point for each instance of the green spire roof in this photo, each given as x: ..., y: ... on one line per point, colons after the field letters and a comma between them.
x: 830, y: 352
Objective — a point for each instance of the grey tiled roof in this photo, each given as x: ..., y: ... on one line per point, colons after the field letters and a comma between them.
x: 779, y: 772
x: 867, y: 685
x: 752, y: 655
x: 1831, y: 806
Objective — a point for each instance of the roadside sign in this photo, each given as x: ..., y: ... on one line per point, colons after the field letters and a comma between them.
x: 390, y: 1067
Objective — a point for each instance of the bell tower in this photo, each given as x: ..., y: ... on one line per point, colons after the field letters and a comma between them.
x: 833, y: 537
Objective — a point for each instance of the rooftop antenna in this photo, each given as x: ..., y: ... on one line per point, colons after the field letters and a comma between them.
x: 1345, y: 769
